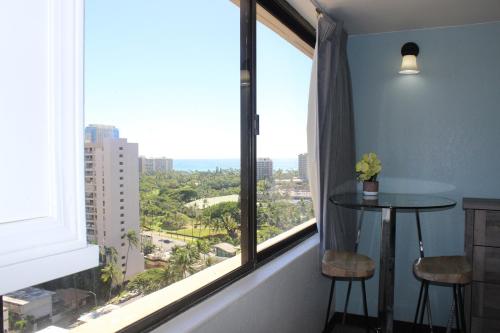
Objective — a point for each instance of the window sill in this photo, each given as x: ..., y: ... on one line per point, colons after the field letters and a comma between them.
x: 137, y: 310
x: 218, y: 307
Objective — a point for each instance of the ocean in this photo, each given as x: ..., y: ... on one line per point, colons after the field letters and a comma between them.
x: 229, y: 163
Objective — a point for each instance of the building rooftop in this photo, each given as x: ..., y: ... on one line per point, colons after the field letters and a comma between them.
x: 226, y: 247
x: 24, y: 296
x: 71, y: 294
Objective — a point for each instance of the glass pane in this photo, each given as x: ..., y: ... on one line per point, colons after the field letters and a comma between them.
x: 162, y: 160
x: 284, y: 203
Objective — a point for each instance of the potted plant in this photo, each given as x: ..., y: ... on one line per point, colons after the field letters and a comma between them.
x: 367, y: 170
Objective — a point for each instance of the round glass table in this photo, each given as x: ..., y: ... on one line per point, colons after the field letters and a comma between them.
x: 389, y: 204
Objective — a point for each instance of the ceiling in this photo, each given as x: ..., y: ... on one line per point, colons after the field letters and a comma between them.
x: 376, y: 16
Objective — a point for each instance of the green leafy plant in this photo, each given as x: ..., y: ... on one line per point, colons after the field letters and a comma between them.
x: 368, y: 167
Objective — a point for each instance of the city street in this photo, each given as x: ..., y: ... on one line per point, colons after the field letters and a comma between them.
x: 162, y: 241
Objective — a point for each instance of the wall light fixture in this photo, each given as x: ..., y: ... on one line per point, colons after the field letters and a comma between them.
x: 409, y: 51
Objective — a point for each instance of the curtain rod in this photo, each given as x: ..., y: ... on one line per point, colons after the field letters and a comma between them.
x: 319, y: 9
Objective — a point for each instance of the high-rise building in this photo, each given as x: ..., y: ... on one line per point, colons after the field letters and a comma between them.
x: 148, y: 165
x: 112, y: 199
x: 264, y: 168
x: 96, y: 133
x: 163, y: 164
x: 303, y: 166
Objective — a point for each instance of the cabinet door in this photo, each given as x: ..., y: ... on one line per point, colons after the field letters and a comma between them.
x: 42, y: 214
x: 481, y: 325
x: 487, y: 228
x: 485, y: 300
x: 486, y: 264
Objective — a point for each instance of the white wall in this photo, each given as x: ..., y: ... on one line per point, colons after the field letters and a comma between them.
x: 288, y: 294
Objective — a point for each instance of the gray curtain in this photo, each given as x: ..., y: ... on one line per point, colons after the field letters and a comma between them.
x: 334, y: 147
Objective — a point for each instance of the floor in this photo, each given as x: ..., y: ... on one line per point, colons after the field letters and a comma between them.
x: 398, y: 327
x: 339, y: 328
x: 353, y: 325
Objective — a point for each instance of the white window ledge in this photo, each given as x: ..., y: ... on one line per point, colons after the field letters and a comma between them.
x: 138, y: 309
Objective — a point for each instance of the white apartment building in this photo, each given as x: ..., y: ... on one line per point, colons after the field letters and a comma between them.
x: 303, y: 166
x: 112, y: 199
x: 148, y: 165
x: 264, y: 168
x: 30, y: 301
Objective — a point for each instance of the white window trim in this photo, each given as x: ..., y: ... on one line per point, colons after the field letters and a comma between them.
x: 37, y: 245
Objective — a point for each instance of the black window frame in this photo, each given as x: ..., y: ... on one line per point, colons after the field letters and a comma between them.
x: 287, y: 15
x: 250, y: 258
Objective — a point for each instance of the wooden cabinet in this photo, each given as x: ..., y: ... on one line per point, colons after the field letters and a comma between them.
x: 482, y: 247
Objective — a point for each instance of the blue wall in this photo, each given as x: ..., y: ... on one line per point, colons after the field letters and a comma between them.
x: 436, y: 132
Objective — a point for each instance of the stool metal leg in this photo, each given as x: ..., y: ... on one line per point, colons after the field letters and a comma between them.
x: 365, y: 306
x: 461, y: 305
x: 329, y: 304
x: 424, y: 303
x: 429, y: 312
x: 418, y: 305
x: 457, y: 318
x: 347, y: 301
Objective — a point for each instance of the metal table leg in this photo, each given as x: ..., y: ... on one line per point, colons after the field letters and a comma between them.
x: 386, y: 274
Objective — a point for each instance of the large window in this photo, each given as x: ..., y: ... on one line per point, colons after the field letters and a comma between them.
x: 177, y: 192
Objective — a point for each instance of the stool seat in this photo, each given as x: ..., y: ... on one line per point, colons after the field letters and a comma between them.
x: 345, y: 264
x: 445, y: 269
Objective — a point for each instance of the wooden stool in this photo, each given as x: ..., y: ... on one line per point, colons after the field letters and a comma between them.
x: 347, y: 265
x: 455, y: 271
x: 449, y: 270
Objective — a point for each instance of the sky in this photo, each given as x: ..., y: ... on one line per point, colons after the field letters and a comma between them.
x: 166, y: 74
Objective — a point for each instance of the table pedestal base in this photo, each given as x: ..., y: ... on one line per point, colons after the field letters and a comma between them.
x: 386, y: 277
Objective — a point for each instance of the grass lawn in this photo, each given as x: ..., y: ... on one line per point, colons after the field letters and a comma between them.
x: 199, y: 232
x: 171, y: 234
x: 189, y: 234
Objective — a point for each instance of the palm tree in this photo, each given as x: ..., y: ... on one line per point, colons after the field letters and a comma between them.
x: 203, y: 247
x: 168, y: 276
x: 133, y: 241
x: 110, y: 274
x: 182, y: 260
x: 109, y: 254
x: 231, y: 226
x: 206, y: 223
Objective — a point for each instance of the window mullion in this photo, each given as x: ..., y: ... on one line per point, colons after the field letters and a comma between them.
x: 248, y: 194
